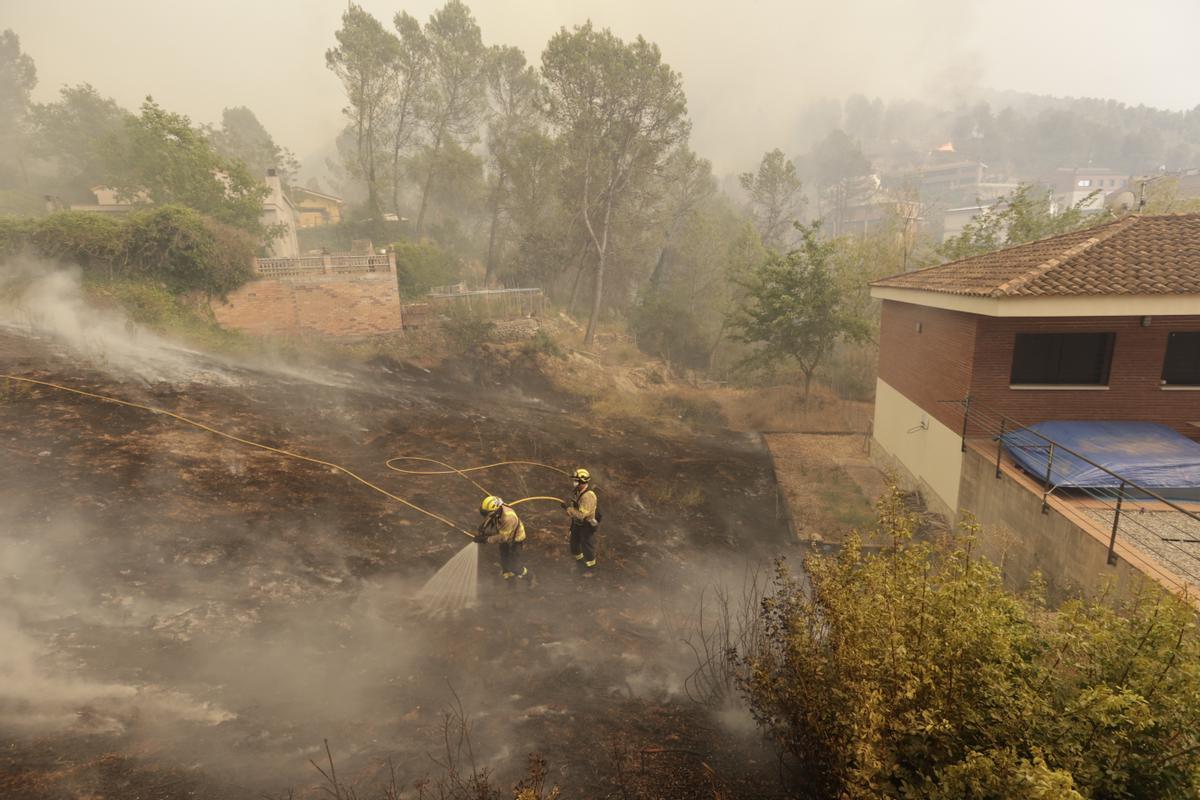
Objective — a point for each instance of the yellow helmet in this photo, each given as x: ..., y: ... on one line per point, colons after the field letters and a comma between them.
x: 581, y: 475
x: 490, y: 505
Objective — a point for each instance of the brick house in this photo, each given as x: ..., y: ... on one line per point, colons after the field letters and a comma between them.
x: 1100, y: 324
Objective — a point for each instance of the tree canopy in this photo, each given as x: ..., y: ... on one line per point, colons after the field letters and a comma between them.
x: 794, y: 310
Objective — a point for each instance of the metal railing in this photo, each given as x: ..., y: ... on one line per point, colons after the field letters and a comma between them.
x: 322, y: 265
x: 1181, y: 523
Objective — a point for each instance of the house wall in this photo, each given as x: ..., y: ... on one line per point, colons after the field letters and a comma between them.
x: 930, y: 366
x: 1134, y: 390
x: 332, y: 305
x: 918, y: 449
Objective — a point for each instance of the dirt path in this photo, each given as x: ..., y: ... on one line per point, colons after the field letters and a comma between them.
x: 190, y: 618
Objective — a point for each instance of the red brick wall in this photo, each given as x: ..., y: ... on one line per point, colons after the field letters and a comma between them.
x: 930, y: 366
x: 335, y: 305
x: 1134, y: 391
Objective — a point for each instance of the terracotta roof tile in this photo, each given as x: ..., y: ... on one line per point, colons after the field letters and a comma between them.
x: 1136, y: 255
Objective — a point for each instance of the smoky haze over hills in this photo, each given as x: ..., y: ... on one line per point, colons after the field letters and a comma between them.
x: 749, y: 70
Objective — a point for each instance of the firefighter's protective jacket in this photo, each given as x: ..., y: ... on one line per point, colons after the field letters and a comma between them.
x: 503, y: 527
x: 583, y: 507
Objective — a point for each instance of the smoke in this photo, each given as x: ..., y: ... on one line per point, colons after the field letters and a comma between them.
x: 43, y: 300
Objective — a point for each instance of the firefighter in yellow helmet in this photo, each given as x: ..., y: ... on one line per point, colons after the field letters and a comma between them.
x: 502, y: 525
x: 584, y: 510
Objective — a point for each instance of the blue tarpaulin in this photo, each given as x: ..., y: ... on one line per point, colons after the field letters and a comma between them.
x: 1148, y: 454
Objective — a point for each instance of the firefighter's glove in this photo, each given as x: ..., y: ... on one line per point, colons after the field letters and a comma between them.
x: 564, y: 504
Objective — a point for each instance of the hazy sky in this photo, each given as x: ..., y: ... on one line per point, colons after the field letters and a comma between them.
x: 747, y: 65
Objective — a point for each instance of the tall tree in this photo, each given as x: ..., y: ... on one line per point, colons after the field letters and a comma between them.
x: 73, y: 133
x: 162, y: 158
x: 513, y: 89
x: 242, y: 137
x: 620, y: 110
x: 775, y: 198
x: 18, y: 76
x: 407, y: 97
x: 686, y: 183
x: 794, y: 309
x: 455, y: 102
x: 842, y: 170
x: 365, y: 61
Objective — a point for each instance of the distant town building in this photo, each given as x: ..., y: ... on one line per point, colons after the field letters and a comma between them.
x: 1076, y: 185
x: 316, y: 208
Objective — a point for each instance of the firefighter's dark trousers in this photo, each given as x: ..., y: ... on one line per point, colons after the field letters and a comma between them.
x: 583, y: 544
x: 512, y: 562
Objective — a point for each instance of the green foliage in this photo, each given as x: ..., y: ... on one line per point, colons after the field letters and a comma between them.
x: 454, y: 101
x: 187, y: 251
x: 18, y: 76
x: 665, y: 324
x: 620, y: 111
x: 162, y: 158
x: 775, y: 197
x: 173, y: 246
x: 14, y: 234
x: 795, y: 310
x: 423, y: 265
x: 243, y: 138
x: 542, y: 343
x: 93, y: 241
x: 913, y: 673
x: 467, y: 332
x: 1022, y: 216
x: 76, y: 132
x: 364, y: 60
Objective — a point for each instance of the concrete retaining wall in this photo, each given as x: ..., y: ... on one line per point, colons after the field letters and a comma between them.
x: 1067, y: 549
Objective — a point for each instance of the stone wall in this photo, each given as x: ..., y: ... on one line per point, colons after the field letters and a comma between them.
x: 366, y: 304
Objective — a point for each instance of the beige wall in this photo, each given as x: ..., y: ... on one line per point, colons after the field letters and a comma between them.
x: 932, y: 455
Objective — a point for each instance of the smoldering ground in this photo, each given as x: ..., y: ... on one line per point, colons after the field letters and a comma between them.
x: 180, y: 605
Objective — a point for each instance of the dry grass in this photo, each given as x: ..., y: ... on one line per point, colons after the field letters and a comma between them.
x: 825, y: 502
x: 782, y: 408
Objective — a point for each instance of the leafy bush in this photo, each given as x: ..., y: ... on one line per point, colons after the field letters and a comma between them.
x: 913, y: 673
x: 466, y: 332
x: 93, y: 241
x: 423, y: 265
x: 175, y: 246
x: 14, y: 234
x: 188, y: 251
x: 544, y: 344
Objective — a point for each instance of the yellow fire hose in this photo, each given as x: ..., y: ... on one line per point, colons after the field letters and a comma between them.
x: 449, y: 470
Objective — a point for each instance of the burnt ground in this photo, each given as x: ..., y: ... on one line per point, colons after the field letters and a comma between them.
x: 187, y: 617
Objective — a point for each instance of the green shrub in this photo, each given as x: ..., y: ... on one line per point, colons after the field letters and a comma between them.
x: 467, y: 332
x: 542, y: 343
x: 913, y: 673
x: 175, y: 246
x: 14, y: 234
x: 187, y: 251
x: 423, y: 265
x: 93, y: 241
